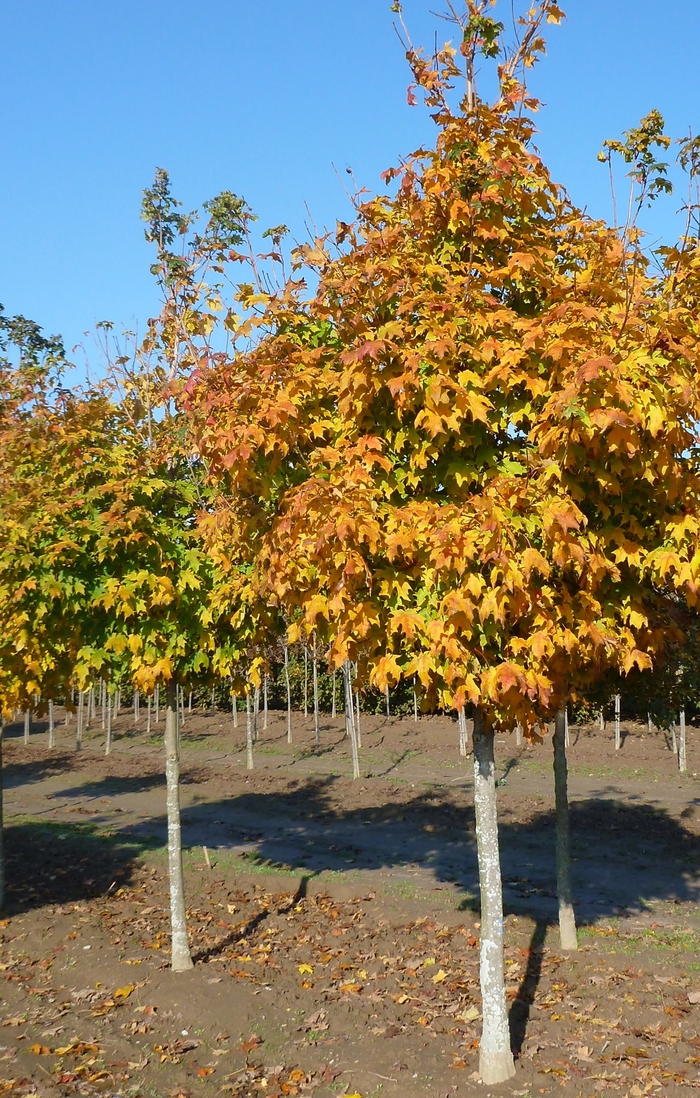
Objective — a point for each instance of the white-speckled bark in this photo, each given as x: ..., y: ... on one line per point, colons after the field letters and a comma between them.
x: 181, y: 958
x: 495, y: 1056
x: 567, y: 919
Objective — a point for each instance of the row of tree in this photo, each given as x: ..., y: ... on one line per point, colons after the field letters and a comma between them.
x: 452, y: 444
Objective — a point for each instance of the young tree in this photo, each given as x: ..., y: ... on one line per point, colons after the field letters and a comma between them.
x: 472, y: 445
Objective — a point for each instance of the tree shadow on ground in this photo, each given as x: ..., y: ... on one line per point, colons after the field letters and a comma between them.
x: 47, y: 863
x: 35, y: 770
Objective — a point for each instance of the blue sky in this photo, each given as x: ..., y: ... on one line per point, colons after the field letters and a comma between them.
x: 264, y: 99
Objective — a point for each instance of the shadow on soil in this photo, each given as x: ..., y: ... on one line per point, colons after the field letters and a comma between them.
x: 47, y: 863
x: 624, y: 855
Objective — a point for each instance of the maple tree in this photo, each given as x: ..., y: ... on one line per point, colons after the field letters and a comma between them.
x: 465, y: 454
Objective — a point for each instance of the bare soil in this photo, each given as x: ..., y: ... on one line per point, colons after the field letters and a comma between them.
x: 334, y: 923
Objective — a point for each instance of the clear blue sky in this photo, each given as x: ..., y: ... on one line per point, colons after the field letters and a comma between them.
x: 263, y: 99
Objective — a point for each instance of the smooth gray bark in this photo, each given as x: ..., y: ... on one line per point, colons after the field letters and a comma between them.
x: 618, y: 740
x: 682, y: 763
x: 306, y: 681
x: 333, y: 705
x: 27, y: 726
x: 289, y: 693
x: 2, y: 822
x: 181, y: 957
x: 350, y: 720
x: 52, y: 727
x: 265, y: 701
x: 495, y: 1056
x: 567, y: 919
x: 317, y: 725
x: 415, y: 700
x: 248, y: 732
x: 388, y: 701
x: 462, y: 722
x: 108, y: 737
x: 79, y: 722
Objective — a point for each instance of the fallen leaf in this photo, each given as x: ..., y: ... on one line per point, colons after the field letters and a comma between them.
x: 439, y: 976
x: 469, y: 1015
x: 205, y: 1071
x: 40, y: 1050
x: 306, y: 968
x: 124, y: 992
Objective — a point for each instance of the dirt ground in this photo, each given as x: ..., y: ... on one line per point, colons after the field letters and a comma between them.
x: 334, y: 923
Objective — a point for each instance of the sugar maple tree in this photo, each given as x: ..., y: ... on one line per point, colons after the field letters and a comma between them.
x: 466, y: 456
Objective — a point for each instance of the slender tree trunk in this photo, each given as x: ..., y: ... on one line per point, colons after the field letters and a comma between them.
x: 567, y: 919
x: 674, y: 741
x: 314, y: 665
x: 234, y: 708
x: 495, y: 1056
x: 462, y: 722
x: 601, y: 719
x: 350, y: 718
x: 618, y: 740
x: 265, y: 700
x: 189, y: 702
x: 2, y: 822
x: 181, y: 723
x: 289, y: 693
x: 306, y: 681
x: 256, y: 710
x: 52, y: 727
x: 136, y: 706
x: 358, y: 725
x: 388, y: 701
x: 108, y: 733
x: 415, y: 701
x: 566, y: 728
x: 103, y: 702
x: 79, y: 722
x: 181, y: 957
x: 213, y: 701
x: 157, y: 703
x: 149, y: 709
x: 682, y: 764
x: 248, y: 731
x: 333, y: 705
x: 518, y: 734
x: 27, y: 726
x: 650, y: 727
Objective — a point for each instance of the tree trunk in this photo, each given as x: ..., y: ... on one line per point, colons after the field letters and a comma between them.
x: 566, y: 728
x: 248, y: 731
x: 388, y: 702
x: 618, y: 740
x: 2, y: 822
x: 601, y: 720
x: 650, y: 728
x: 518, y: 734
x: 103, y: 698
x: 234, y: 709
x: 27, y: 726
x: 149, y: 707
x: 108, y: 736
x: 350, y: 719
x: 289, y: 693
x: 358, y: 726
x: 79, y: 722
x: 265, y: 701
x: 181, y: 957
x: 495, y: 1056
x: 333, y: 705
x: 674, y: 741
x: 415, y: 701
x: 189, y: 702
x: 317, y: 726
x: 462, y: 722
x: 52, y: 727
x: 136, y: 706
x: 157, y: 703
x: 306, y: 681
x: 682, y: 764
x: 567, y: 919
x: 256, y: 710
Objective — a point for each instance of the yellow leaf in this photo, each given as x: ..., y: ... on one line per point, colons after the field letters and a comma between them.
x: 124, y: 992
x: 439, y: 976
x: 306, y: 968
